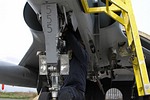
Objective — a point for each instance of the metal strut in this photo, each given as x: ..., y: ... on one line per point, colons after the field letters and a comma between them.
x: 54, y: 62
x: 128, y: 21
x: 51, y: 30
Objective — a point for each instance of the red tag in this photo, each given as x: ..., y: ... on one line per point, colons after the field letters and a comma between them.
x: 2, y: 86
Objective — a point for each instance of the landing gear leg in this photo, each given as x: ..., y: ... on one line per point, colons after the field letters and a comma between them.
x: 50, y: 62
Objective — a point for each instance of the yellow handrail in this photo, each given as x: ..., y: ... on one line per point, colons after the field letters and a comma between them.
x: 128, y: 21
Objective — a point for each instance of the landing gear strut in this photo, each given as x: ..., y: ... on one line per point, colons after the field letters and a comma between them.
x: 53, y: 62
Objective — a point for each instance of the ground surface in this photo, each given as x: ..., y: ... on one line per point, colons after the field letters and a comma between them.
x: 17, y: 95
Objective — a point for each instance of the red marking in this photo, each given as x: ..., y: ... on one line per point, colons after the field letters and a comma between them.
x: 2, y: 86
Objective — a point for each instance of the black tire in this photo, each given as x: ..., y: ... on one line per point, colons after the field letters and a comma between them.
x: 42, y: 85
x: 45, y: 96
x: 146, y: 97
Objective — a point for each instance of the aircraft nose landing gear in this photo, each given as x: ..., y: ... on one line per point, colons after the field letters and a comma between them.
x: 55, y: 61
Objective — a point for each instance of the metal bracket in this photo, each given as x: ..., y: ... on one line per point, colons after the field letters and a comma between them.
x: 42, y: 65
x: 64, y: 62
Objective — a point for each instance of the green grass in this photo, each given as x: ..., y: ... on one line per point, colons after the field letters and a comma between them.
x: 18, y: 95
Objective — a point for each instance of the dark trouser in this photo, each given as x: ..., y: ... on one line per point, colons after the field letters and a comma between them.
x: 70, y: 93
x: 75, y: 83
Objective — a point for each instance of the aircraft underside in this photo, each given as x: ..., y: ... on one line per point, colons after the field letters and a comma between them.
x: 110, y: 60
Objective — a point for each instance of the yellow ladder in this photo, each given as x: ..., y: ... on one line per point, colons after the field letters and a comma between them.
x: 128, y: 21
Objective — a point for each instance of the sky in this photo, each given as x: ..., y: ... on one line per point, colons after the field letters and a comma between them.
x: 142, y: 14
x: 9, y: 88
x: 16, y: 38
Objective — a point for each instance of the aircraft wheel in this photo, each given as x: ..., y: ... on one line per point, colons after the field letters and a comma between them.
x: 42, y: 85
x: 146, y: 98
x: 45, y: 96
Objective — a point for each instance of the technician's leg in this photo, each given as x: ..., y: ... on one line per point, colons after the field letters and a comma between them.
x: 70, y: 93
